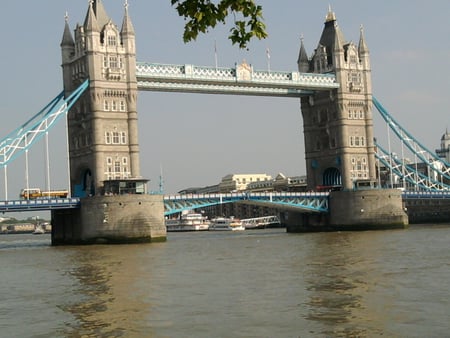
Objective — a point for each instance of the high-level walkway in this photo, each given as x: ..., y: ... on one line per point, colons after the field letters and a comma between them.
x: 241, y: 80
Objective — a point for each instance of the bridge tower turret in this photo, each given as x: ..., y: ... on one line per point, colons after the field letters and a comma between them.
x: 338, y: 125
x: 103, y: 132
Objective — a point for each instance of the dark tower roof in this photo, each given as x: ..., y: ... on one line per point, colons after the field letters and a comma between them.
x: 90, y: 23
x: 96, y: 17
x: 329, y: 33
x: 302, y: 61
x: 100, y: 13
x: 67, y: 39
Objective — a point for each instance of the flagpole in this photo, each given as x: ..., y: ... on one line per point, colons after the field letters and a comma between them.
x: 215, y: 52
x: 268, y: 58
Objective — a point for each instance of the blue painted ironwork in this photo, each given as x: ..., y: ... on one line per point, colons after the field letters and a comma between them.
x: 241, y: 80
x: 436, y: 165
x: 306, y: 202
x: 408, y: 172
x: 426, y: 195
x: 39, y: 204
x: 22, y: 138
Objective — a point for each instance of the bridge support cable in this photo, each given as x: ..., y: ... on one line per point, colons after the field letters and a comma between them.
x: 47, y: 163
x: 21, y: 139
x: 5, y: 171
x: 435, y: 164
x: 408, y: 173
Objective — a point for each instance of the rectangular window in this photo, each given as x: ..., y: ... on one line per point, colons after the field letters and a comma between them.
x: 114, y: 106
x: 109, y: 160
x: 116, y: 138
x: 122, y: 105
x: 111, y: 40
x: 105, y: 62
x: 105, y: 105
x: 123, y: 138
x: 124, y: 160
x: 107, y: 137
x: 113, y: 62
x: 117, y: 167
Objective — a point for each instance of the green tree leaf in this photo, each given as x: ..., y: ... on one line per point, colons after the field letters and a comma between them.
x: 201, y: 15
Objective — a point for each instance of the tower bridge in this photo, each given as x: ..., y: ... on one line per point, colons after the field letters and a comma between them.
x: 333, y: 85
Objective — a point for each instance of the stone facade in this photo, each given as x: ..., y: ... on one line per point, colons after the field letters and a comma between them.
x: 111, y: 219
x: 103, y: 138
x: 338, y: 126
x: 102, y: 125
x: 239, y: 182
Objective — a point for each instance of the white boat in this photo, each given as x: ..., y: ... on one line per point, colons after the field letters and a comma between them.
x: 188, y: 222
x: 260, y: 222
x: 38, y: 230
x: 226, y: 224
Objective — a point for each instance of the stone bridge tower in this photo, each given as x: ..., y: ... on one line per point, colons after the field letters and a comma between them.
x: 103, y: 138
x: 338, y: 126
x: 102, y: 126
x: 339, y: 146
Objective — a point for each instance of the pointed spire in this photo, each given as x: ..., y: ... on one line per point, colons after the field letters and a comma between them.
x: 67, y: 39
x: 100, y: 13
x: 330, y: 15
x: 127, y: 26
x: 338, y: 44
x: 302, y: 61
x: 362, y: 46
x: 90, y: 22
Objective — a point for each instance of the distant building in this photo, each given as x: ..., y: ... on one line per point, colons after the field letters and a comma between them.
x: 444, y: 152
x: 249, y: 183
x: 260, y: 186
x: 294, y: 183
x: 239, y: 182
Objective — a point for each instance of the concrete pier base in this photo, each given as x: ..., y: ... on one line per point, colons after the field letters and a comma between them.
x: 111, y: 219
x: 369, y: 209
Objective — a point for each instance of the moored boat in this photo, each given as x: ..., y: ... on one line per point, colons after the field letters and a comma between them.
x: 189, y: 221
x: 226, y: 224
x: 260, y: 222
x: 39, y: 230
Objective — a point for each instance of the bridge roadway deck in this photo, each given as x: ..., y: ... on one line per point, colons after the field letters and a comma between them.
x: 39, y: 204
x: 298, y: 201
x: 307, y: 202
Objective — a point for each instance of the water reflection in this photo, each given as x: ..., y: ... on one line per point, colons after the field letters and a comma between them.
x: 106, y: 302
x: 338, y: 274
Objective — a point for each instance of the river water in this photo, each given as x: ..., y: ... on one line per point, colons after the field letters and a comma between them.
x: 260, y: 283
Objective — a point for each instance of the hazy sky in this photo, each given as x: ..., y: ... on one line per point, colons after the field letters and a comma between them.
x: 197, y: 139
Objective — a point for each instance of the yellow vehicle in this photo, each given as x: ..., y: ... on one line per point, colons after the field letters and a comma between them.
x: 33, y: 193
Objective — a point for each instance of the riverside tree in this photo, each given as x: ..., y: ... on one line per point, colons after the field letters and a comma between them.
x: 201, y: 15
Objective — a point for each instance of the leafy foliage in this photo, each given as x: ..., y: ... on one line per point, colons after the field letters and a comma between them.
x: 201, y: 15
